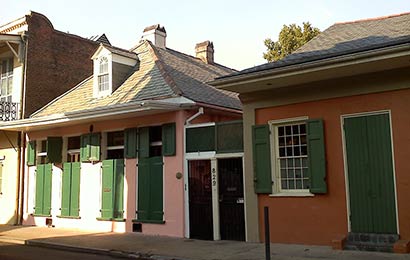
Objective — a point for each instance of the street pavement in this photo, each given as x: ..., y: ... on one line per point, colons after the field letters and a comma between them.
x: 137, y: 246
x: 22, y: 252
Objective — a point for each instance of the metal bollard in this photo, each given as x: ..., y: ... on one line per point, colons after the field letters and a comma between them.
x: 267, y: 237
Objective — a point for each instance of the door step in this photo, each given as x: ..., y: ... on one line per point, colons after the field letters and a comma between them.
x: 371, y: 242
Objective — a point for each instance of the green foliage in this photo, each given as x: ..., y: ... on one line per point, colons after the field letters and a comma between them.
x: 291, y: 37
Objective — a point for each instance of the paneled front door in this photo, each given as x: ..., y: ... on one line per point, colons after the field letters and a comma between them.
x: 370, y: 174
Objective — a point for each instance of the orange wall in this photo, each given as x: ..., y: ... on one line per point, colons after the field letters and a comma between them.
x: 319, y: 219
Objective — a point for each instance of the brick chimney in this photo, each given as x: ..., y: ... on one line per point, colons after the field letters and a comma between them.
x: 205, y: 51
x: 155, y: 34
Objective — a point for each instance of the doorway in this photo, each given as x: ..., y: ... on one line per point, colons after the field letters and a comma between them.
x: 231, y: 199
x: 369, y: 162
x: 200, y: 199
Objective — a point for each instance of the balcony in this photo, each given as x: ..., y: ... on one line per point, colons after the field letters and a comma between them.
x: 9, y: 111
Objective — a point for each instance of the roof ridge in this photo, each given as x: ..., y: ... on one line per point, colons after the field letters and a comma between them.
x: 198, y: 59
x: 374, y: 18
x: 117, y: 48
x: 167, y: 76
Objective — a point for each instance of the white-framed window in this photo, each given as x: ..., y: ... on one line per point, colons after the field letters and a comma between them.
x: 42, y: 151
x: 290, y: 156
x: 73, y: 148
x: 103, y: 75
x: 6, y: 79
x: 115, y: 145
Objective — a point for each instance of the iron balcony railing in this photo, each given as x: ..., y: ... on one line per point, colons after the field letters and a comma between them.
x: 9, y: 111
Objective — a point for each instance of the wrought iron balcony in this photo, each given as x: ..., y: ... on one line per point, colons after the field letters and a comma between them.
x: 9, y: 111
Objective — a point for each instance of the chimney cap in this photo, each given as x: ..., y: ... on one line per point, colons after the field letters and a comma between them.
x: 204, y: 44
x: 155, y: 27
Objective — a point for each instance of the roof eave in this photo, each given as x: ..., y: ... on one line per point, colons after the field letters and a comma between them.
x: 316, y: 70
x: 69, y: 118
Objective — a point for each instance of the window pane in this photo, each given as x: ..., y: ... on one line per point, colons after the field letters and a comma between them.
x: 281, y: 141
x: 282, y: 152
x: 73, y: 142
x: 283, y: 173
x: 284, y: 184
x: 288, y: 130
x: 115, y: 139
x: 281, y: 131
x: 291, y: 184
x: 299, y: 184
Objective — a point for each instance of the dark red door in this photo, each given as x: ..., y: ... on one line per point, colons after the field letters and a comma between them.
x: 200, y: 199
x: 231, y: 203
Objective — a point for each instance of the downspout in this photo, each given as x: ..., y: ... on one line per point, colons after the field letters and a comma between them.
x: 200, y: 112
x: 21, y: 137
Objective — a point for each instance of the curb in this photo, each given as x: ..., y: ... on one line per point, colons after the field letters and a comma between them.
x: 12, y: 240
x: 98, y: 251
x: 86, y: 250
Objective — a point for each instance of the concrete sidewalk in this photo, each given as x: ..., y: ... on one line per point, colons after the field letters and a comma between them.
x: 135, y: 245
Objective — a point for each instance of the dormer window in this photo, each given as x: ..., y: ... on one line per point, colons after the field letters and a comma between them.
x: 111, y: 67
x: 103, y: 76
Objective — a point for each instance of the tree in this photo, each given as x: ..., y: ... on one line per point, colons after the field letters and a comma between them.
x: 291, y: 37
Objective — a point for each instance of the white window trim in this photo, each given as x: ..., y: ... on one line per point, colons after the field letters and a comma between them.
x: 97, y: 92
x: 104, y: 143
x: 277, y: 191
x: 9, y: 75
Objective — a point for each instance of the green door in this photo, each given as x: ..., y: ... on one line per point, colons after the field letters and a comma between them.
x: 370, y: 174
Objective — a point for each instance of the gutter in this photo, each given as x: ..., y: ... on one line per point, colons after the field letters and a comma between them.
x: 22, y: 137
x: 93, y: 114
x: 300, y: 68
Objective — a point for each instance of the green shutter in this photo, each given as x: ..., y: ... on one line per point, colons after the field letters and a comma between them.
x: 143, y: 189
x: 119, y: 188
x: 66, y: 190
x: 38, y: 209
x: 43, y: 189
x: 156, y: 189
x: 150, y: 190
x: 54, y: 149
x: 107, y: 199
x: 316, y: 155
x: 31, y: 153
x: 131, y: 143
x: 200, y: 139
x: 47, y: 189
x: 262, y: 159
x: 84, y: 150
x: 143, y: 142
x: 75, y: 189
x: 95, y: 147
x: 168, y: 139
x: 90, y: 147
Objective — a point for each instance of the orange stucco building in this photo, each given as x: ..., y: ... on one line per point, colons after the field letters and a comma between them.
x: 325, y: 138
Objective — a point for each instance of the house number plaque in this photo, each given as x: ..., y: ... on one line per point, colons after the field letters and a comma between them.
x: 213, y: 177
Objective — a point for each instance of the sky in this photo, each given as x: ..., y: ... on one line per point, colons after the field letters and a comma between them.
x: 237, y: 28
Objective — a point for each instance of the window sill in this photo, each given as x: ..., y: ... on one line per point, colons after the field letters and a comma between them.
x: 112, y: 219
x: 292, y: 194
x: 151, y: 221
x: 40, y: 215
x: 70, y: 217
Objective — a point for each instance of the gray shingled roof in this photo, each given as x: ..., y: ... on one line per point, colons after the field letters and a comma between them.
x: 347, y: 38
x: 160, y: 73
x: 190, y: 75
